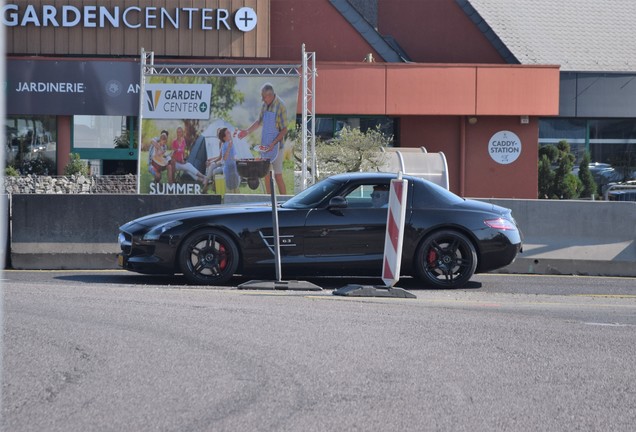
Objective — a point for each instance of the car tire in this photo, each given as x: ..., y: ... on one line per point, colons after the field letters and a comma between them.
x: 446, y: 259
x: 208, y: 257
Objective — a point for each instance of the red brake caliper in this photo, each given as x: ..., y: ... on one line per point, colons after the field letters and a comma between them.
x: 223, y: 261
x: 431, y: 257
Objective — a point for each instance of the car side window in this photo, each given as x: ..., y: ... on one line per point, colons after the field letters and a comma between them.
x: 368, y: 196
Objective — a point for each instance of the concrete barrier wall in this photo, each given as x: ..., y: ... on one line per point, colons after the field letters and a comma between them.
x: 80, y: 231
x: 575, y: 237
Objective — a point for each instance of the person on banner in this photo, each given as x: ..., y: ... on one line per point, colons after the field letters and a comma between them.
x: 159, y: 158
x: 178, y: 158
x: 213, y: 164
x: 228, y: 156
x: 273, y: 119
x: 380, y: 196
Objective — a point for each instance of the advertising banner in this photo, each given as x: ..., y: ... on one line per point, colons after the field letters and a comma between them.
x: 217, y: 134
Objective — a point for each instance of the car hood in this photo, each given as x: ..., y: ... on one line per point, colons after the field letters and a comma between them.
x: 193, y: 212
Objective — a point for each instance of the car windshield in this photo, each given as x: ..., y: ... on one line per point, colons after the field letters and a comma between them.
x: 313, y: 195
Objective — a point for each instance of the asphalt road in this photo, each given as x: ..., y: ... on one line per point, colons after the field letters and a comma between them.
x: 114, y: 351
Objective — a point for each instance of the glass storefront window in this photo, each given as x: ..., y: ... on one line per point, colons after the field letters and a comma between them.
x: 100, y: 132
x: 328, y: 127
x: 574, y: 131
x: 609, y: 141
x: 324, y: 128
x: 31, y: 144
x: 614, y: 142
x: 108, y: 142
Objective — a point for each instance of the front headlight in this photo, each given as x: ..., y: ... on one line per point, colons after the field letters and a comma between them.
x: 156, y: 231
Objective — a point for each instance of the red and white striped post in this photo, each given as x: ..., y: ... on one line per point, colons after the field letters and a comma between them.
x: 394, y: 231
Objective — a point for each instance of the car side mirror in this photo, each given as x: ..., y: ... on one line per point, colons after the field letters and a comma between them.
x: 338, y: 202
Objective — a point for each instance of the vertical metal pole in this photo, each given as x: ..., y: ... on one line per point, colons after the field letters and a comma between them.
x: 272, y: 187
x: 4, y: 199
x: 314, y: 165
x: 142, y: 82
x: 303, y: 184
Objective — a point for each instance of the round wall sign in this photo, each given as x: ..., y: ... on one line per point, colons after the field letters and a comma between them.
x: 504, y: 147
x: 245, y: 19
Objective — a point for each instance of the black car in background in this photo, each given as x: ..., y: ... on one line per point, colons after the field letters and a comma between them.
x: 329, y: 229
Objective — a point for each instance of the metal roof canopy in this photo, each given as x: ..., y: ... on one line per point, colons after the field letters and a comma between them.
x: 307, y: 70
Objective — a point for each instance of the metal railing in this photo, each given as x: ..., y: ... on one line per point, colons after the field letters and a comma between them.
x: 629, y: 196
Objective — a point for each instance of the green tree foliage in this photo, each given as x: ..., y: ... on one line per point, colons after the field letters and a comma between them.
x: 76, y: 166
x: 546, y: 176
x: 586, y: 177
x: 351, y: 151
x: 556, y: 180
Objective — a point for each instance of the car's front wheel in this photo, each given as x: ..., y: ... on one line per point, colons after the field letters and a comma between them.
x: 446, y: 259
x: 208, y: 257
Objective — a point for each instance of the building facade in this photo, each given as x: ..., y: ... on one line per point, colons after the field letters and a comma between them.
x: 423, y: 71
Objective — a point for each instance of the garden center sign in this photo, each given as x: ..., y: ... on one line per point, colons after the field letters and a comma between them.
x: 133, y: 17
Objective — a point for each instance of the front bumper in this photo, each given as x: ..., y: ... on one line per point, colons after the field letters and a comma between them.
x: 145, y: 257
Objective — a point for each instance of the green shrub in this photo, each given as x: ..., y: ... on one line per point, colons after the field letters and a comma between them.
x: 76, y: 166
x: 39, y: 165
x: 556, y: 180
x: 11, y: 171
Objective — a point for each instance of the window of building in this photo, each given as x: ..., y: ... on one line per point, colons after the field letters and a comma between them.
x: 574, y: 131
x: 108, y: 142
x: 328, y: 127
x: 31, y: 144
x: 609, y: 141
x: 100, y: 132
x: 613, y: 141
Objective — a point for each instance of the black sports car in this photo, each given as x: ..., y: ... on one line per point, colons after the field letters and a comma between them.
x: 332, y: 228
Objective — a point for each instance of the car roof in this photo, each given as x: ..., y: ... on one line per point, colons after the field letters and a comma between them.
x: 371, y: 176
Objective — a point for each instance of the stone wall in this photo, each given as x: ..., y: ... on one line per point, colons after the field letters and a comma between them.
x: 75, y: 184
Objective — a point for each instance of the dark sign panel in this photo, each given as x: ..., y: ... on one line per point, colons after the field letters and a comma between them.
x: 50, y: 87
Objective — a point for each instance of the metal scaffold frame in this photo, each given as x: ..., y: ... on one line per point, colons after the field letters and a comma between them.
x: 222, y: 70
x: 307, y: 70
x: 309, y: 108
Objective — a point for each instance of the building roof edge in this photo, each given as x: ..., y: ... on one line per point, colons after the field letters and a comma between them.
x: 488, y: 32
x: 367, y: 31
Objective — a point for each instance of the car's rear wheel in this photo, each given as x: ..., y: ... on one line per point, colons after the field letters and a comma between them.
x: 208, y: 257
x: 446, y: 259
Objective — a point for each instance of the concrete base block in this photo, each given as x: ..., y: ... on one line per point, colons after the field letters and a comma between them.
x: 293, y: 285
x: 64, y: 261
x: 574, y: 266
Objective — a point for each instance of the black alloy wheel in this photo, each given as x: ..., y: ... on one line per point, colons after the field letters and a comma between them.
x: 446, y: 259
x: 208, y: 257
